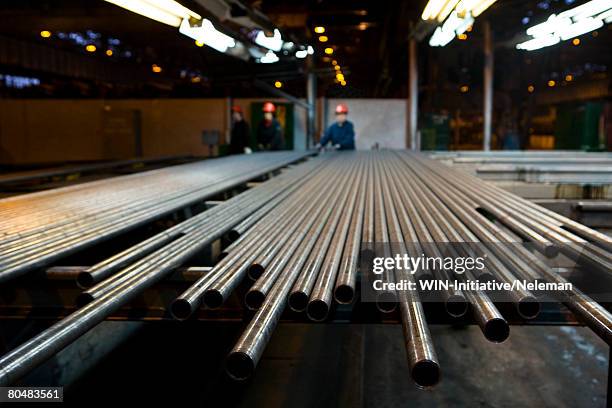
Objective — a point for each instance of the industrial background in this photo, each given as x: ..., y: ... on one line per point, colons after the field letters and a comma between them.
x: 154, y: 249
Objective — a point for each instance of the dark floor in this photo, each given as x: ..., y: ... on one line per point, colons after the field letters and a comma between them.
x: 352, y: 366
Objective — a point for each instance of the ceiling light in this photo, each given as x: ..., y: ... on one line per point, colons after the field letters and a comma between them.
x: 207, y: 34
x: 165, y: 11
x: 319, y: 30
x: 90, y: 48
x: 274, y: 43
x: 156, y: 68
x: 278, y: 84
x: 329, y: 50
x: 323, y: 38
x: 269, y: 58
x: 45, y: 34
x: 569, y: 24
x: 109, y: 52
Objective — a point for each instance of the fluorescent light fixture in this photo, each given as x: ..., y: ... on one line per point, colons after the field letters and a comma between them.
x: 453, y: 26
x: 539, y: 42
x: 269, y: 58
x: 274, y: 43
x: 580, y: 27
x: 165, y: 11
x: 569, y: 24
x: 208, y: 35
x: 435, y: 8
x: 446, y: 10
x: 457, y: 15
x: 474, y: 7
x: 301, y: 54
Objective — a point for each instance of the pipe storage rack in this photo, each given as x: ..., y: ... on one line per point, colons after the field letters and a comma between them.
x: 292, y: 249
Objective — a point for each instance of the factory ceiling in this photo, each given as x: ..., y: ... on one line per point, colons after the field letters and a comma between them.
x: 137, y: 57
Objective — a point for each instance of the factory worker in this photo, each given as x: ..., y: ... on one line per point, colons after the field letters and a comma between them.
x: 240, y: 133
x: 341, y: 134
x: 269, y: 131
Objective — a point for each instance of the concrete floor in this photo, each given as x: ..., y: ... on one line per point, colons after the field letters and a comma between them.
x: 354, y: 366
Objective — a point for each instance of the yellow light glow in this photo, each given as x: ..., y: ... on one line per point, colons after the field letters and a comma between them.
x: 569, y: 78
x: 340, y: 77
x: 530, y: 88
x: 196, y: 79
x: 462, y: 37
x: 469, y: 29
x: 334, y: 62
x: 576, y: 41
x: 319, y: 30
x: 363, y: 26
x: 278, y: 84
x: 337, y: 68
x: 109, y: 52
x: 329, y: 50
x: 45, y: 34
x: 199, y: 43
x: 156, y: 68
x: 323, y: 38
x: 464, y: 88
x: 551, y: 83
x: 90, y: 48
x: 343, y: 83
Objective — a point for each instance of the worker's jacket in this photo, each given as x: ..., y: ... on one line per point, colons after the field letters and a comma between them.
x: 270, y: 135
x: 343, y: 135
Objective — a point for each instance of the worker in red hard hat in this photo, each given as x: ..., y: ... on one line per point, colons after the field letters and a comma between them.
x: 341, y: 134
x: 240, y: 134
x: 269, y: 131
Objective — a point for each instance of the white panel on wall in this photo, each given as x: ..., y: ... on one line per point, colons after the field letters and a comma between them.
x: 381, y: 121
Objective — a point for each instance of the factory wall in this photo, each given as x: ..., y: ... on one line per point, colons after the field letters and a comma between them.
x: 37, y: 131
x: 381, y: 121
x: 47, y: 131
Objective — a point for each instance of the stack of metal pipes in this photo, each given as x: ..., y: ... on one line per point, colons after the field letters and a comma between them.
x: 298, y: 238
x: 36, y: 229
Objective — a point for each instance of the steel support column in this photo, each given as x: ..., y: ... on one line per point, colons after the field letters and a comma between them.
x: 311, y: 94
x: 413, y: 95
x: 487, y: 103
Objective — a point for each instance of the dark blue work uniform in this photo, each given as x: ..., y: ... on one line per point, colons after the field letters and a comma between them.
x: 343, y: 135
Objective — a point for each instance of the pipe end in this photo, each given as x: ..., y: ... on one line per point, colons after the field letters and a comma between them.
x: 239, y: 366
x: 85, y: 280
x: 528, y: 307
x: 298, y: 301
x: 317, y: 310
x: 181, y: 309
x: 344, y: 294
x: 426, y: 373
x: 213, y: 299
x: 456, y: 306
x: 496, y: 330
x: 254, y: 299
x: 255, y: 271
x: 386, y: 302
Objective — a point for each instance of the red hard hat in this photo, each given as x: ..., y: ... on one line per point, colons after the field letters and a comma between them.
x: 269, y: 107
x: 341, y: 108
x: 236, y: 108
